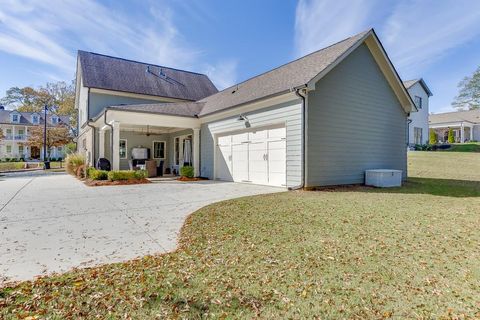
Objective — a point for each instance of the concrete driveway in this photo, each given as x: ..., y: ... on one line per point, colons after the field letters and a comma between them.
x: 52, y: 223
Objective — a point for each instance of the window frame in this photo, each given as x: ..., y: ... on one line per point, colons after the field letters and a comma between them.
x: 17, y: 116
x: 6, y: 148
x: 120, y: 149
x: 419, y: 104
x: 23, y: 150
x: 54, y: 120
x: 35, y: 116
x: 415, y: 130
x: 164, y: 149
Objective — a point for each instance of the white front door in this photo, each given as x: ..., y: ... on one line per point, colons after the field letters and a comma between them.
x: 257, y: 156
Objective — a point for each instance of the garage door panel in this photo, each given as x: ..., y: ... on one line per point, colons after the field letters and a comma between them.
x: 260, y: 135
x: 277, y: 162
x: 277, y: 133
x: 224, y: 163
x: 257, y: 163
x: 240, y: 162
x: 239, y: 138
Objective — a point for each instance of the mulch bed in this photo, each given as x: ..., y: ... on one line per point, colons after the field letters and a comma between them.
x: 99, y: 183
x: 185, y: 179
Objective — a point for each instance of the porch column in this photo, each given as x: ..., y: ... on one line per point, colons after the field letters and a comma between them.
x: 116, y: 145
x: 196, y: 151
x: 471, y: 133
x: 101, y: 143
x: 462, y: 133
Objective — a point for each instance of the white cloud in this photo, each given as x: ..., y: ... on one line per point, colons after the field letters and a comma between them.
x: 415, y: 32
x: 51, y: 31
x: 223, y: 74
x: 324, y: 22
x: 420, y: 32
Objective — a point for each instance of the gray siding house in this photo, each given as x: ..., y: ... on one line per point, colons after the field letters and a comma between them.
x: 320, y: 120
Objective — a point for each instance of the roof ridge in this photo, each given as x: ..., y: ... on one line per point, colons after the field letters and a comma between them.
x: 458, y: 111
x: 144, y: 63
x: 290, y: 62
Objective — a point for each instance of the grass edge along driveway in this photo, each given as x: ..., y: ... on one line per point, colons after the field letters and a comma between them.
x: 410, y: 252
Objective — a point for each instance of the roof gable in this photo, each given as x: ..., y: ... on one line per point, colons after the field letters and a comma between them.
x: 117, y: 74
x: 410, y: 83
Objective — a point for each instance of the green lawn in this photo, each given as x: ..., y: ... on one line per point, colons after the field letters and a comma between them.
x: 14, y: 166
x: 411, y: 252
x: 465, y: 147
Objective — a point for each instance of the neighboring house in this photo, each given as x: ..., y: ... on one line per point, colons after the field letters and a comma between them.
x: 16, y: 126
x: 320, y: 120
x: 464, y: 124
x: 418, y: 126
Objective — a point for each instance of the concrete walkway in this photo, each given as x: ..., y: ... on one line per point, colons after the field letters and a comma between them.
x: 53, y: 222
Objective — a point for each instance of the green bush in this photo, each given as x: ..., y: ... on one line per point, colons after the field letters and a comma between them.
x: 95, y: 174
x: 432, y: 139
x: 187, y: 171
x: 73, y: 161
x: 451, y: 138
x: 19, y: 165
x: 122, y: 175
x: 141, y: 174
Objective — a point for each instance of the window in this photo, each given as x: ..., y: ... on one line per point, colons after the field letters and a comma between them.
x: 20, y: 150
x: 21, y: 134
x: 35, y: 119
x: 418, y: 102
x: 59, y: 149
x: 9, y: 149
x: 14, y: 117
x: 159, y: 149
x: 54, y: 120
x: 122, y: 151
x: 417, y: 135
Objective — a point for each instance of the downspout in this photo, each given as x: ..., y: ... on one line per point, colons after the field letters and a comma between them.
x: 304, y: 127
x: 93, y: 141
x: 111, y: 132
x: 408, y: 130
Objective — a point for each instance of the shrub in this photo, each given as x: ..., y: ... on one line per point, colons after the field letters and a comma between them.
x: 121, y: 175
x: 73, y: 161
x: 95, y: 174
x: 19, y: 165
x: 432, y: 138
x: 141, y: 174
x: 451, y: 138
x: 187, y: 171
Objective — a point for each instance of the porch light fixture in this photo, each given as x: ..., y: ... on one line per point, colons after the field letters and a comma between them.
x: 244, y: 118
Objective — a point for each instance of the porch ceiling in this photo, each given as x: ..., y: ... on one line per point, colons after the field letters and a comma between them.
x: 148, y: 129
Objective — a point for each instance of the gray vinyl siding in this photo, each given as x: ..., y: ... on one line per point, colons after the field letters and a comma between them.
x: 288, y: 113
x: 476, y: 132
x: 355, y: 122
x: 99, y: 101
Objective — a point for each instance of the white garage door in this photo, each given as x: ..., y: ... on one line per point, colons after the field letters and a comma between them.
x: 257, y: 157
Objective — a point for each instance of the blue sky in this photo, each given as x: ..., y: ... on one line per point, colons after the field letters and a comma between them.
x: 234, y: 40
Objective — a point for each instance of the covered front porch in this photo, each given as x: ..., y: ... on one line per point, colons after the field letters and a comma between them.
x: 129, y: 138
x: 462, y: 131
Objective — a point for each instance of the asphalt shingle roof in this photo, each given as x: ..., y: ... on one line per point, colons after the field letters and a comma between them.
x: 26, y: 118
x: 185, y: 109
x: 111, y: 73
x: 409, y: 83
x: 281, y: 79
x: 472, y: 116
